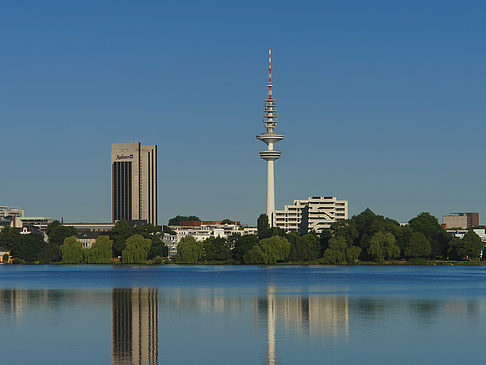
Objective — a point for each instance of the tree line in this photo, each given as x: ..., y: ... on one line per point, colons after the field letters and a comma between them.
x: 135, y: 245
x: 363, y: 238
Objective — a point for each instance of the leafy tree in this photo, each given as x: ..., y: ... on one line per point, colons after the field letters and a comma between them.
x: 352, y: 254
x: 158, y: 248
x: 119, y: 234
x: 382, y: 245
x: 263, y: 227
x: 427, y: 224
x: 469, y: 247
x: 255, y: 256
x: 303, y: 248
x: 101, y: 251
x: 418, y: 246
x: 189, y: 251
x: 216, y: 249
x: 9, y: 237
x: 268, y: 251
x: 57, y: 233
x: 227, y: 221
x: 50, y: 252
x: 5, y: 258
x: 71, y: 251
x: 241, y: 244
x: 474, y: 245
x: 457, y: 250
x: 136, y: 250
x: 176, y: 221
x: 324, y: 238
x: 336, y: 253
x: 27, y: 247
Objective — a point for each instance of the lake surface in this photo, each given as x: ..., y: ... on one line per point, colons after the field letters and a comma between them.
x: 174, y: 314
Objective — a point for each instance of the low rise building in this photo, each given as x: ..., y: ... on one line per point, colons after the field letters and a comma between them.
x: 460, y: 220
x: 313, y: 214
x: 10, y: 212
x: 204, y: 231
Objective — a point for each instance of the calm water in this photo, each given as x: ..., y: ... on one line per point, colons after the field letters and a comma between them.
x: 242, y: 315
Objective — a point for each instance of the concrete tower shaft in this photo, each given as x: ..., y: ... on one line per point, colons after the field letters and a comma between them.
x: 270, y: 138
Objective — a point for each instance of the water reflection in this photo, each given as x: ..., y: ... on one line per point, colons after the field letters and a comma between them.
x: 271, y: 320
x: 135, y: 327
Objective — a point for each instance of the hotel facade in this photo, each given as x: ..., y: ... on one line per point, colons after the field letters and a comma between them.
x: 134, y: 182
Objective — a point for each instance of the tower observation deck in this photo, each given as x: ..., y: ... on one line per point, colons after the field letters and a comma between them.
x: 270, y: 138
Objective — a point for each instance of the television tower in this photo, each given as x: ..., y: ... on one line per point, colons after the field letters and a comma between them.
x: 270, y: 137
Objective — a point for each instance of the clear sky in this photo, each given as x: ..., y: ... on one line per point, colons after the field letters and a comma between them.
x: 381, y: 103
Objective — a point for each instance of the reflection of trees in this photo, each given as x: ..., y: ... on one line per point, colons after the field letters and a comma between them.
x: 134, y: 326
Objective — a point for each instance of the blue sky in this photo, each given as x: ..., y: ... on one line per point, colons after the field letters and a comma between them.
x: 381, y: 103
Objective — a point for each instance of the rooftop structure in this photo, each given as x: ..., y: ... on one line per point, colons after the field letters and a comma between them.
x: 270, y: 138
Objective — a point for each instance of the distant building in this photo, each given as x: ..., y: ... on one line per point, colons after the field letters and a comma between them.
x: 133, y: 182
x: 10, y: 212
x: 39, y: 223
x: 460, y: 220
x: 205, y: 230
x: 313, y: 214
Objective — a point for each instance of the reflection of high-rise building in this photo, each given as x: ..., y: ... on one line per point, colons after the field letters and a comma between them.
x: 133, y: 182
x: 134, y: 326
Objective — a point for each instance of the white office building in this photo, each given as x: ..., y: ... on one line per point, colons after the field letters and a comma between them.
x: 11, y: 212
x: 313, y: 214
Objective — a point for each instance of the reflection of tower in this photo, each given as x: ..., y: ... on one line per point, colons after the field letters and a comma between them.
x: 271, y: 326
x: 134, y: 326
x: 270, y: 137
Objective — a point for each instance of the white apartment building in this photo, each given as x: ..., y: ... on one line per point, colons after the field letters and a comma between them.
x: 205, y: 231
x: 11, y: 212
x: 313, y: 214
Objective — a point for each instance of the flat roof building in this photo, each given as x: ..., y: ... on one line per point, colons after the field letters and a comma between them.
x: 460, y: 220
x: 313, y: 214
x: 134, y: 182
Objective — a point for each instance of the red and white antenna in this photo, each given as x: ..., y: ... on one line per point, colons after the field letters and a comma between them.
x: 269, y: 73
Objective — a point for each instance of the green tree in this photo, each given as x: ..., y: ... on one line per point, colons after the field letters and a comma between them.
x: 5, y: 258
x: 50, y: 252
x: 216, y: 249
x: 352, y: 254
x: 382, y: 245
x: 136, y: 249
x: 268, y: 251
x: 418, y: 246
x: 176, y: 221
x: 303, y: 248
x: 241, y: 245
x: 189, y: 251
x: 119, y: 234
x: 71, y: 251
x: 57, y: 233
x: 467, y: 248
x: 158, y: 248
x: 427, y: 224
x: 227, y: 221
x: 336, y: 253
x: 474, y: 245
x: 263, y: 227
x: 101, y: 251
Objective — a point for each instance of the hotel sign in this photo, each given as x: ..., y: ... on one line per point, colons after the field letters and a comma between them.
x: 124, y: 157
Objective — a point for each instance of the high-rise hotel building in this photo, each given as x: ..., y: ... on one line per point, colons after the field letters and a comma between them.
x: 133, y: 182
